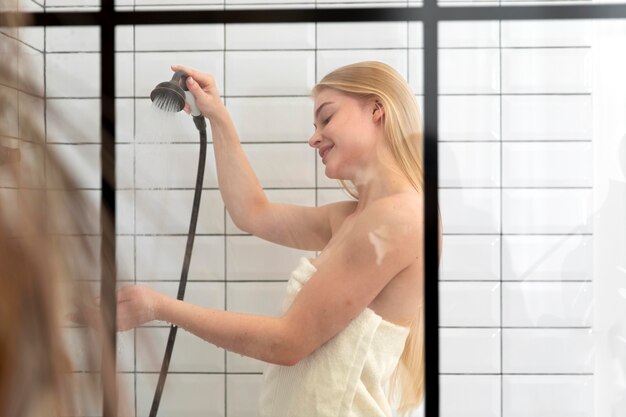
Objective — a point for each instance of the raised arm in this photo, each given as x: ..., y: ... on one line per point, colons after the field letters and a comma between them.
x: 383, y: 242
x: 290, y: 225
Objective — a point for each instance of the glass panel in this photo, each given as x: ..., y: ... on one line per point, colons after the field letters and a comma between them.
x: 532, y: 175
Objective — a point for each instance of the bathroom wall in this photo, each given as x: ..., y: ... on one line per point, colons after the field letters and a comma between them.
x: 516, y: 141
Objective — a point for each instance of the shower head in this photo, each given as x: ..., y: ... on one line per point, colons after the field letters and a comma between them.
x: 170, y: 96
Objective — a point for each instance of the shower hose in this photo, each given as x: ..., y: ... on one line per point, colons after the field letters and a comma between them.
x: 201, y: 125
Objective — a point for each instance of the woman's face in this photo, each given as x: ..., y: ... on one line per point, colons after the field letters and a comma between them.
x: 347, y: 130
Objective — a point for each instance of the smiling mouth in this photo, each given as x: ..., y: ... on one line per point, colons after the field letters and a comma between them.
x: 325, y: 152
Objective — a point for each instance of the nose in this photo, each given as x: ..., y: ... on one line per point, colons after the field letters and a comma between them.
x: 315, y: 139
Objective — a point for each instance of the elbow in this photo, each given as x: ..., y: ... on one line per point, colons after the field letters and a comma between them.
x: 290, y: 349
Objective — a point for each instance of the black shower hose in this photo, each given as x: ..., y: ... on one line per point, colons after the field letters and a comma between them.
x: 201, y: 125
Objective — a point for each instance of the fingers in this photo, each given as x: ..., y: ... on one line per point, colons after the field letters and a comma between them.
x: 202, y: 78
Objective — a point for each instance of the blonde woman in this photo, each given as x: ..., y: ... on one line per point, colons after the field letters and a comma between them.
x: 352, y: 323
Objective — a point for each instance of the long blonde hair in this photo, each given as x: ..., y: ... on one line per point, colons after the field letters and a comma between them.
x: 403, y: 129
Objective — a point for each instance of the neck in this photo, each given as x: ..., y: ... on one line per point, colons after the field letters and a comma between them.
x: 379, y: 183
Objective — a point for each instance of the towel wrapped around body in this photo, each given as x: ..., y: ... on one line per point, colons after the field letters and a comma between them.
x: 345, y: 377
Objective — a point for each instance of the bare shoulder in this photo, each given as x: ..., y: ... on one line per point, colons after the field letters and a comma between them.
x: 338, y: 212
x: 401, y: 208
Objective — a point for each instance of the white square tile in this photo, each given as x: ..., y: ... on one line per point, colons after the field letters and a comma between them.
x: 548, y: 395
x: 190, y: 354
x: 32, y: 36
x: 328, y: 61
x: 416, y: 73
x: 469, y: 34
x: 272, y: 119
x: 470, y: 257
x: 480, y: 74
x: 548, y: 351
x: 547, y: 164
x: 467, y: 164
x: 540, y: 304
x: 155, y: 125
x: 542, y: 70
x: 547, y: 211
x: 192, y: 395
x: 270, y: 36
x: 80, y: 162
x: 470, y: 395
x: 124, y: 69
x: 125, y: 257
x: 168, y: 212
x: 469, y: 351
x: 124, y: 120
x: 161, y: 258
x: 254, y: 73
x: 546, y: 33
x: 541, y: 117
x: 469, y: 304
x: 72, y: 75
x: 179, y: 37
x: 296, y: 167
x: 469, y: 118
x: 125, y: 212
x: 243, y: 394
x: 547, y: 257
x: 154, y: 68
x: 470, y: 210
x: 299, y: 197
x: 73, y: 39
x: 250, y: 258
x: 416, y: 35
x: 124, y: 166
x: 73, y: 120
x: 359, y: 35
x: 124, y: 37
x: 172, y: 166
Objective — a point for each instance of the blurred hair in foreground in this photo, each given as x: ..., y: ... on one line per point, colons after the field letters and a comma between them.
x: 48, y: 253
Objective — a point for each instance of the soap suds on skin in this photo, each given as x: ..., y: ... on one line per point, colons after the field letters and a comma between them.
x: 381, y: 237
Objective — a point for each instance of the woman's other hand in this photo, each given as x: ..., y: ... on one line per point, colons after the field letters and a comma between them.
x: 204, y: 90
x: 136, y: 305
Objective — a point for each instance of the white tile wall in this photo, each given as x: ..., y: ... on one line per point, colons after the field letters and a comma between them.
x: 515, y: 178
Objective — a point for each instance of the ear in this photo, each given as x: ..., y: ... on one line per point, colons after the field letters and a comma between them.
x: 378, y: 112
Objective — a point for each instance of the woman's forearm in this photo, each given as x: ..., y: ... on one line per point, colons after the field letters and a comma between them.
x: 260, y: 337
x: 240, y: 188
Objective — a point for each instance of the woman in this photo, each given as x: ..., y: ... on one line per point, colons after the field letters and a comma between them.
x: 358, y: 319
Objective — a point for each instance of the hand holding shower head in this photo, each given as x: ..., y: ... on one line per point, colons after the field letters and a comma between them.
x: 171, y: 95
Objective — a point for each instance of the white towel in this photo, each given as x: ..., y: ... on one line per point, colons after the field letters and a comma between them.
x: 344, y: 377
